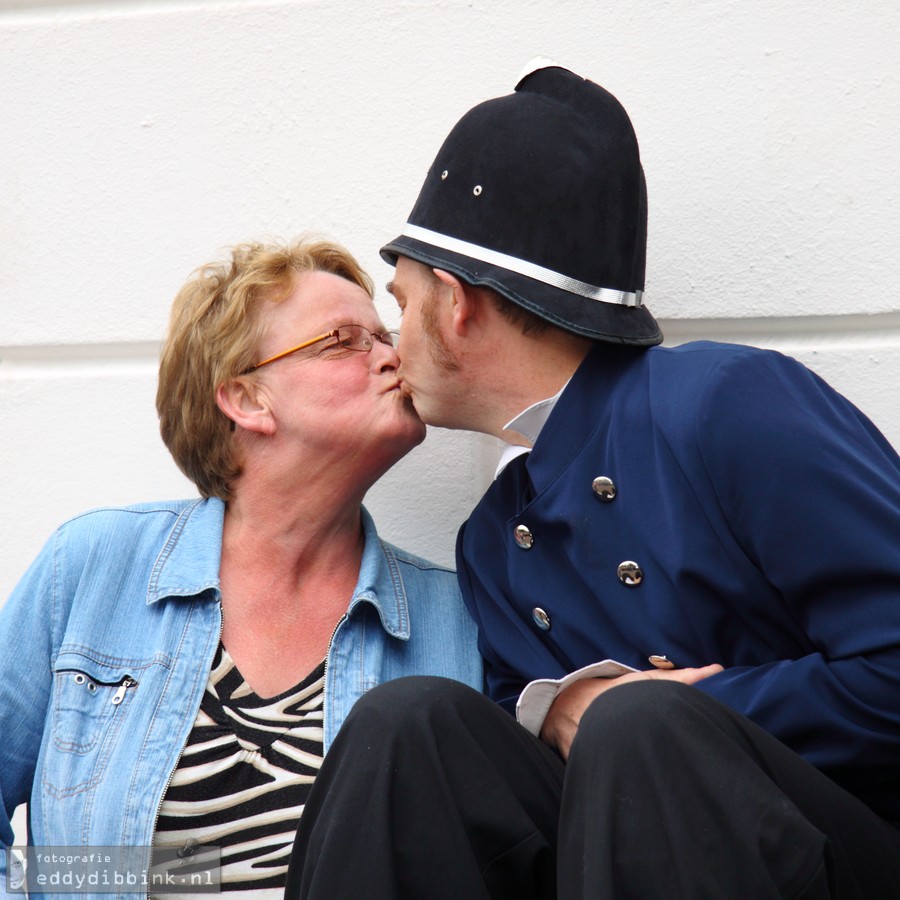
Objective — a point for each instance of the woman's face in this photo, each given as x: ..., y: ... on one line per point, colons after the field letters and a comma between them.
x: 335, y: 403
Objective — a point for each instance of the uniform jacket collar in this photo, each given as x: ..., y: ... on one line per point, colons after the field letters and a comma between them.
x: 581, y: 413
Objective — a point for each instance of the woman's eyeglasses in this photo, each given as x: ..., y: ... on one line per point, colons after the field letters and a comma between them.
x: 345, y: 337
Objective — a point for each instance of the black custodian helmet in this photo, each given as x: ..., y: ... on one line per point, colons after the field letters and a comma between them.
x: 540, y: 195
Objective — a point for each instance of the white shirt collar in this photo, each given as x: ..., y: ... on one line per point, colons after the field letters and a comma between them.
x: 529, y: 424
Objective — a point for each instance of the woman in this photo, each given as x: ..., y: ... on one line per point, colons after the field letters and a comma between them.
x: 174, y: 672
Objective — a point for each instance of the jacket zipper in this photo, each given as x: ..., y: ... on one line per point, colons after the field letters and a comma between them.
x: 123, y: 685
x: 334, y: 631
x: 119, y: 696
x: 162, y: 796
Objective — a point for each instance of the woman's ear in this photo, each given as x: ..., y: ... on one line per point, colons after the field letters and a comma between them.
x: 242, y: 401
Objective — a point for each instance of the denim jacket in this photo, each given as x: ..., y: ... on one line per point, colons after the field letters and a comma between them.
x: 106, y: 646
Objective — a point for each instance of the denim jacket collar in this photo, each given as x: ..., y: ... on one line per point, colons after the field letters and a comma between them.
x: 380, y: 583
x: 189, y: 562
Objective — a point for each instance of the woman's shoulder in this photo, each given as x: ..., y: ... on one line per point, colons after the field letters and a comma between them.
x: 407, y: 562
x: 404, y: 557
x: 128, y: 527
x: 132, y: 517
x: 421, y: 576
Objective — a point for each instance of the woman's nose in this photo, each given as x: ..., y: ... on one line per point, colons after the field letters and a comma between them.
x: 387, y: 357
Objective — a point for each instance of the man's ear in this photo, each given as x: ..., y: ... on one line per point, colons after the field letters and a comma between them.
x: 463, y: 301
x: 242, y: 401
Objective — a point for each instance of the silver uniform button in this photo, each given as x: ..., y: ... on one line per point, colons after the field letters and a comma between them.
x: 630, y: 573
x: 604, y: 488
x: 541, y: 619
x: 661, y: 662
x: 524, y: 537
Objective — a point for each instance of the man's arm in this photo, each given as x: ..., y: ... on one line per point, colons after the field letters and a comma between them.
x: 811, y: 491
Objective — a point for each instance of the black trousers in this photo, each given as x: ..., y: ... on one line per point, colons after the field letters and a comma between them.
x: 432, y: 792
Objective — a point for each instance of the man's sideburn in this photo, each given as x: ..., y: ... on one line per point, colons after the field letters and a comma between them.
x: 437, y: 346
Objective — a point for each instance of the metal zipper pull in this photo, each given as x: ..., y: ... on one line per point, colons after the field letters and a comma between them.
x: 119, y: 695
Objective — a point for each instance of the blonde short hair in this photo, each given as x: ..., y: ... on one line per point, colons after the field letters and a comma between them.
x: 214, y: 332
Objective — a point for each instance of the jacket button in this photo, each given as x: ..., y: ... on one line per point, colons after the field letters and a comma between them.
x: 661, y: 662
x: 541, y: 619
x: 630, y: 573
x: 524, y: 538
x: 604, y: 488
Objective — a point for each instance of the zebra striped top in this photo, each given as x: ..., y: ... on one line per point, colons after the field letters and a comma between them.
x: 244, y: 777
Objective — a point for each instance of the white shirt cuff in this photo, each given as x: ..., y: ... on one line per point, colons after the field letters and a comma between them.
x: 535, y: 701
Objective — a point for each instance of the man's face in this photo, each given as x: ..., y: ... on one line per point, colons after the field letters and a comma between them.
x: 427, y: 362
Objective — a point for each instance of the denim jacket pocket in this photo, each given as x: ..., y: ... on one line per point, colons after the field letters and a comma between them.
x: 91, y: 700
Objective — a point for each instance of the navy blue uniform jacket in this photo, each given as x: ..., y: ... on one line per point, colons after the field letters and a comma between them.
x: 763, y: 510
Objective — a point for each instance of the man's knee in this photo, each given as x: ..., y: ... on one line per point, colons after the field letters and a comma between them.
x: 638, y: 711
x: 407, y: 703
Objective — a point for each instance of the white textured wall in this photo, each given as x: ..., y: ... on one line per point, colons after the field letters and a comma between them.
x: 138, y: 138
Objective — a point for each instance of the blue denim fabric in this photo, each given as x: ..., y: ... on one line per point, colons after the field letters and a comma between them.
x: 132, y: 595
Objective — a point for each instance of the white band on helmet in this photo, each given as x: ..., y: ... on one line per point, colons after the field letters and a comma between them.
x: 523, y: 267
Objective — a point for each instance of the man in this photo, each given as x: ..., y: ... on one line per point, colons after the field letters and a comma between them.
x: 702, y: 541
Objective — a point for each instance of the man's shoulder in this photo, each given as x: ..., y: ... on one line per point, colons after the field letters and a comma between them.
x: 705, y: 355
x: 697, y: 373
x: 621, y: 374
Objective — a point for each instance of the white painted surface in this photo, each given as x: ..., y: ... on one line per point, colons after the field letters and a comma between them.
x: 140, y: 138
